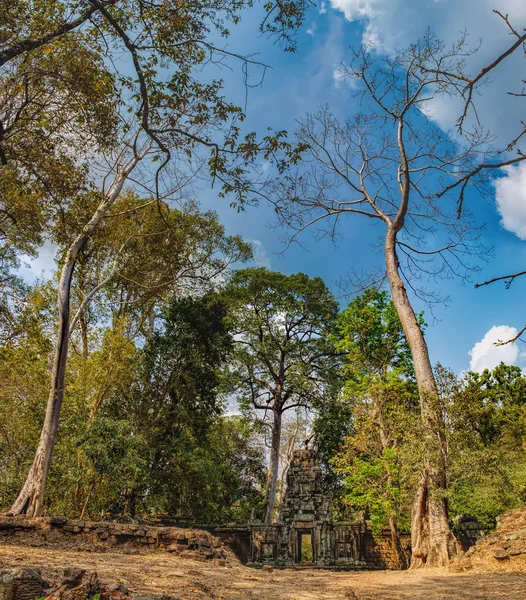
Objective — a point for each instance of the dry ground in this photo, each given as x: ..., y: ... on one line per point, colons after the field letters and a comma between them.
x: 185, y: 579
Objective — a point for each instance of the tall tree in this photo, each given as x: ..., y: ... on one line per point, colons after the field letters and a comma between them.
x: 281, y: 355
x: 387, y: 164
x: 380, y: 389
x: 175, y: 399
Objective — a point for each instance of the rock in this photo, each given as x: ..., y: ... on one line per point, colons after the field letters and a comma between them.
x: 72, y: 577
x: 268, y: 568
x: 58, y: 521
x: 20, y: 584
x: 117, y: 587
x: 500, y: 554
x: 117, y: 596
x: 77, y: 585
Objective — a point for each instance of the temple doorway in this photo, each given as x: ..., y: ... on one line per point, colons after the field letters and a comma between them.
x: 305, y: 550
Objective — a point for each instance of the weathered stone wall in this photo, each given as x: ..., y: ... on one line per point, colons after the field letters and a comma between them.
x: 468, y: 531
x: 304, y: 497
x: 93, y: 536
x: 379, y: 552
x: 21, y: 584
x: 306, y: 515
x: 238, y: 539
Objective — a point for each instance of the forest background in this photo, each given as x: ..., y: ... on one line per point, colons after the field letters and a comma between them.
x: 160, y: 333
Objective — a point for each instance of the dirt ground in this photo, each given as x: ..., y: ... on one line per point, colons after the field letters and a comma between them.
x: 185, y: 579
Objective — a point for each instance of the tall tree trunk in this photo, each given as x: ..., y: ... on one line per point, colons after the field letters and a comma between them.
x: 432, y: 541
x: 273, y: 467
x: 31, y: 497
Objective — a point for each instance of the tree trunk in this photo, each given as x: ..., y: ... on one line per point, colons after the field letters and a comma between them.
x: 84, y: 336
x: 31, y: 497
x: 273, y: 467
x: 432, y: 541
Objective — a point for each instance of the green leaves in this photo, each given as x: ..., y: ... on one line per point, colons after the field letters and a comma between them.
x: 487, y: 437
x: 282, y: 355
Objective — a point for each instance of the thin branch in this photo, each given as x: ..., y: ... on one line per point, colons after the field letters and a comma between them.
x: 509, y: 279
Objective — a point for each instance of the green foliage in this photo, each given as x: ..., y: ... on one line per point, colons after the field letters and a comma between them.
x: 282, y: 355
x: 370, y: 334
x: 373, y: 486
x: 198, y: 464
x: 24, y: 363
x: 487, y: 440
x: 374, y: 452
x: 142, y: 429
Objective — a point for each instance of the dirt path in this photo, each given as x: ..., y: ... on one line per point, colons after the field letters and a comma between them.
x: 159, y: 573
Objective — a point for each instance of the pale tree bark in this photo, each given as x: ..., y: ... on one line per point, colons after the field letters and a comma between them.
x: 432, y: 541
x: 30, y: 500
x: 285, y: 460
x: 273, y: 466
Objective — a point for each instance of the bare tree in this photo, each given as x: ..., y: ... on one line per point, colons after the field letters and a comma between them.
x: 470, y: 89
x: 387, y: 164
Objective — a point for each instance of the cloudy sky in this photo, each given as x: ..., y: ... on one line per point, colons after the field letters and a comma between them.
x: 463, y: 333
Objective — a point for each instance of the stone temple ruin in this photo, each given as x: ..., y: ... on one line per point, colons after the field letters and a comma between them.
x: 304, y: 534
x: 305, y: 531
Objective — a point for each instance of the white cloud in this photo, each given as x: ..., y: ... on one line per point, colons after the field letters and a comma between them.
x: 486, y: 355
x: 340, y: 77
x: 443, y: 111
x: 355, y: 10
x: 261, y: 258
x: 393, y: 24
x: 402, y: 20
x: 510, y: 195
x: 41, y: 266
x: 322, y: 8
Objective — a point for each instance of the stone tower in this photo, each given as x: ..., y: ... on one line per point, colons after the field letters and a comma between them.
x: 305, y: 532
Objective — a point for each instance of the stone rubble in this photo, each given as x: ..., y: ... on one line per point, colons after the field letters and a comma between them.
x: 505, y: 546
x: 132, y: 538
x: 74, y: 584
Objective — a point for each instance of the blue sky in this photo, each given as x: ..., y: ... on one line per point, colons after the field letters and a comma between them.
x: 301, y: 82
